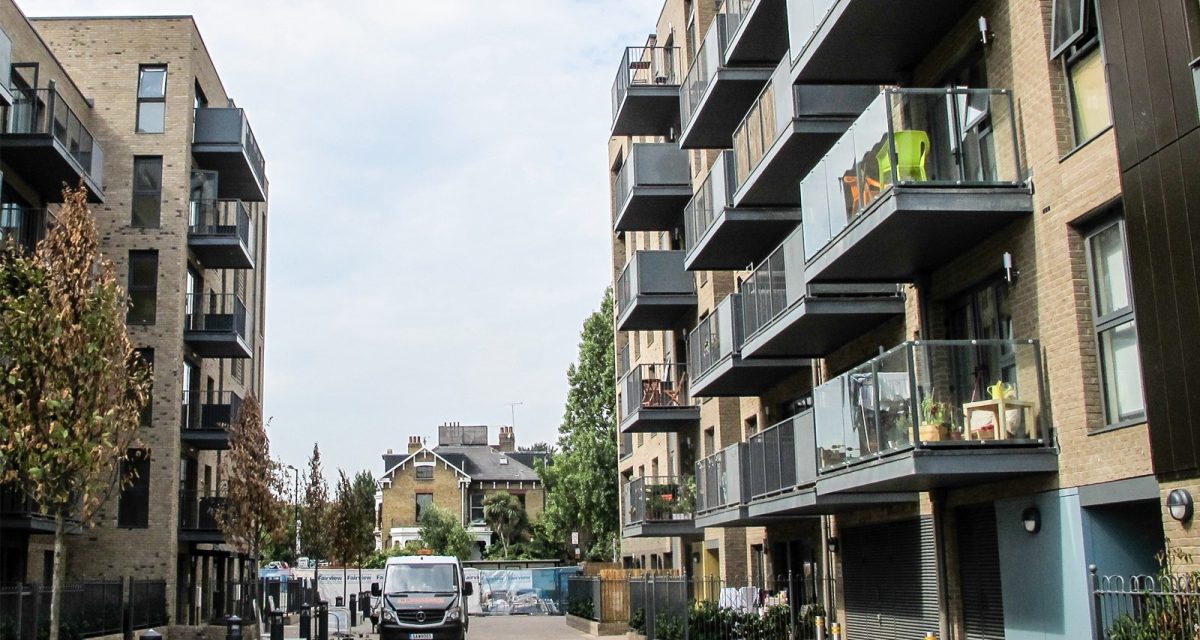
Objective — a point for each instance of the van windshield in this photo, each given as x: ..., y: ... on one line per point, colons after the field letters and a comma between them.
x: 420, y: 578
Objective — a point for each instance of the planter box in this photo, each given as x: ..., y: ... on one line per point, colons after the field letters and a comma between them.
x: 591, y: 627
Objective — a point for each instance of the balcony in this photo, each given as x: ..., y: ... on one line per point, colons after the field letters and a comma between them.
x: 655, y: 399
x: 716, y: 94
x: 6, y: 96
x: 208, y: 417
x: 785, y: 133
x: 654, y: 292
x: 723, y: 488
x: 935, y: 414
x: 715, y: 363
x: 47, y: 145
x: 783, y: 474
x: 782, y: 316
x: 866, y: 41
x: 221, y: 235
x: 755, y: 30
x: 958, y: 181
x: 719, y: 236
x: 659, y: 507
x: 645, y: 95
x: 217, y: 326
x: 23, y: 226
x: 652, y: 187
x: 18, y: 512
x: 198, y: 517
x: 223, y: 141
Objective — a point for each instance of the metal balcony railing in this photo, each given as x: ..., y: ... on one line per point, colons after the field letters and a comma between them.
x: 209, y: 410
x: 198, y: 510
x: 764, y: 292
x: 659, y: 499
x: 717, y: 486
x: 732, y: 13
x: 984, y: 394
x: 655, y: 386
x: 715, y: 338
x: 230, y: 126
x: 912, y: 137
x: 763, y: 124
x: 640, y: 66
x: 709, y: 200
x: 623, y: 361
x: 22, y: 225
x: 653, y: 272
x: 45, y: 112
x: 221, y: 218
x: 626, y: 445
x: 708, y: 60
x: 215, y: 313
x: 772, y: 454
x: 805, y: 17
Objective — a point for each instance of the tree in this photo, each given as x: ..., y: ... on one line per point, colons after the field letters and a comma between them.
x: 254, y: 510
x: 544, y: 447
x: 506, y: 516
x: 341, y: 514
x: 444, y: 533
x: 72, y: 388
x: 363, y: 492
x: 581, y: 484
x: 314, y: 521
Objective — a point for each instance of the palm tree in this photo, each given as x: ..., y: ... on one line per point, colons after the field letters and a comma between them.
x: 506, y: 516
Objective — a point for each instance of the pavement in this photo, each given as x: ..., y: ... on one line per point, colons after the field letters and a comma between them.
x: 487, y: 628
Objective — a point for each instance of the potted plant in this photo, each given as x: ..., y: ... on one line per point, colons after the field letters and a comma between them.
x: 935, y: 419
x: 685, y: 502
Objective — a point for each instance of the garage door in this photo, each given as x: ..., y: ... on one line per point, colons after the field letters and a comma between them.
x: 889, y: 579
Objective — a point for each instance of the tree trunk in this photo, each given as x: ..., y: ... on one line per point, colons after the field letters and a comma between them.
x: 59, y: 574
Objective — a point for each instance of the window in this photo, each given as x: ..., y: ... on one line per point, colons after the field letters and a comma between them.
x: 710, y: 441
x: 1116, y: 329
x: 1076, y: 40
x: 147, y: 192
x: 424, y: 501
x: 237, y: 369
x: 477, y: 508
x: 152, y: 99
x: 147, y: 356
x: 143, y: 287
x: 134, y: 508
x: 425, y: 472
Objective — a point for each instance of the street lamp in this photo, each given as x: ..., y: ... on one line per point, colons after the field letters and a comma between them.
x: 296, y: 502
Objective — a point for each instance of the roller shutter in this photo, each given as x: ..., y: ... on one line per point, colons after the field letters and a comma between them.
x: 889, y: 577
x: 979, y: 573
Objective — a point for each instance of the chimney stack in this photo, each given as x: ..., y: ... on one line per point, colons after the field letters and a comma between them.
x: 414, y: 444
x: 508, y: 440
x: 389, y: 452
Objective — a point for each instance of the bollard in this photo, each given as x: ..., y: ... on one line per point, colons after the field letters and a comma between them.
x: 322, y: 620
x: 277, y: 624
x: 234, y: 629
x: 353, y: 611
x: 820, y: 622
x: 305, y: 621
x: 930, y: 636
x: 836, y: 631
x: 151, y: 634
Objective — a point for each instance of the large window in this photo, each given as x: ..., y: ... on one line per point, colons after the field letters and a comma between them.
x: 152, y: 99
x: 147, y: 191
x: 1076, y: 41
x: 424, y: 502
x: 1116, y: 328
x: 477, y: 508
x: 143, y: 287
x: 134, y: 508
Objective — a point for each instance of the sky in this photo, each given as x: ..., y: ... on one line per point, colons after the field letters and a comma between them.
x: 439, y: 223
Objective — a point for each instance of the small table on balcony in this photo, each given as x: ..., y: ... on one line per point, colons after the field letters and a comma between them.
x: 999, y: 410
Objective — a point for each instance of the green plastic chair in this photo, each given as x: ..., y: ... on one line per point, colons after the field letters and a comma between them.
x: 912, y: 150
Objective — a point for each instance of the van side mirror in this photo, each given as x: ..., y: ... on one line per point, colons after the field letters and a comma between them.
x: 375, y: 589
x: 467, y: 589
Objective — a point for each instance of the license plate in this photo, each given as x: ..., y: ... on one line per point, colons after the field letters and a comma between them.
x: 420, y: 636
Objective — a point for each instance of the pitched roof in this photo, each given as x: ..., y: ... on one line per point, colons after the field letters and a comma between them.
x: 483, y: 463
x: 458, y: 468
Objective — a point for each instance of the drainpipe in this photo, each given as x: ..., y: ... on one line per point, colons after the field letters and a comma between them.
x: 922, y: 286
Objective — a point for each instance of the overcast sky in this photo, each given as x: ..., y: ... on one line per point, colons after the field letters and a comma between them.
x: 439, y: 206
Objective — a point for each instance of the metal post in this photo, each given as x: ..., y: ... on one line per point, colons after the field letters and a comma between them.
x: 1097, y: 612
x: 305, y: 620
x: 353, y: 610
x: 820, y: 622
x: 233, y: 630
x: 650, y: 615
x: 836, y: 631
x: 277, y: 624
x: 322, y: 620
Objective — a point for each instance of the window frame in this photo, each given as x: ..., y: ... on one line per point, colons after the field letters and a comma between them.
x: 422, y: 476
x: 133, y: 289
x: 417, y: 504
x: 157, y: 194
x: 151, y: 99
x: 1113, y: 320
x: 135, y: 516
x: 1073, y: 51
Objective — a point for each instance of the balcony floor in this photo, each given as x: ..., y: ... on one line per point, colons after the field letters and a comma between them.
x: 940, y: 468
x: 775, y: 181
x: 808, y: 502
x: 45, y: 165
x: 201, y: 536
x: 653, y: 208
x: 661, y: 420
x: 740, y: 237
x: 724, y: 103
x: 913, y: 230
x: 220, y: 252
x: 648, y: 110
x: 655, y: 312
x: 217, y: 344
x: 762, y: 36
x: 817, y: 325
x: 206, y: 439
x: 238, y: 180
x: 663, y: 529
x: 735, y: 377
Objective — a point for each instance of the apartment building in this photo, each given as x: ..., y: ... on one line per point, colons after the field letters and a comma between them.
x: 135, y: 108
x: 456, y: 475
x: 905, y: 291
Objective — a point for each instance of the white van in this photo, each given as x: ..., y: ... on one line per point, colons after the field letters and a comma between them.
x: 422, y: 598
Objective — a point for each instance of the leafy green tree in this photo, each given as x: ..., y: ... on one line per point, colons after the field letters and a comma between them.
x: 362, y: 492
x: 72, y: 389
x: 581, y: 483
x: 341, y: 519
x: 314, y: 520
x: 506, y: 516
x: 444, y: 533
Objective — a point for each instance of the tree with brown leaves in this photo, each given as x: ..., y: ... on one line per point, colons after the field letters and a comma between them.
x: 71, y: 386
x: 254, y: 485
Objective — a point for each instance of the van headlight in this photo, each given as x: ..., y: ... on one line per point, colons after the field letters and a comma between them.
x: 453, y: 613
x: 387, y: 614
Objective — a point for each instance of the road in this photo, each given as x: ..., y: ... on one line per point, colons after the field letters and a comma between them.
x: 522, y: 628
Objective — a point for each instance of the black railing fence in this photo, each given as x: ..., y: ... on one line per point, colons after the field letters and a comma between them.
x: 89, y: 608
x: 1163, y: 607
x: 287, y: 594
x: 679, y: 608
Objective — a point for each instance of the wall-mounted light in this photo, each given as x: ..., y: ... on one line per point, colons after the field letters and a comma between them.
x: 985, y: 34
x: 832, y: 545
x: 1179, y: 505
x: 1010, y: 271
x: 1031, y: 519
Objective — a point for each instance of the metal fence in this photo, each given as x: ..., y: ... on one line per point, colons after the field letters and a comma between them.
x: 287, y: 594
x: 1164, y: 607
x: 147, y: 603
x: 678, y: 608
x: 598, y: 599
x: 89, y: 609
